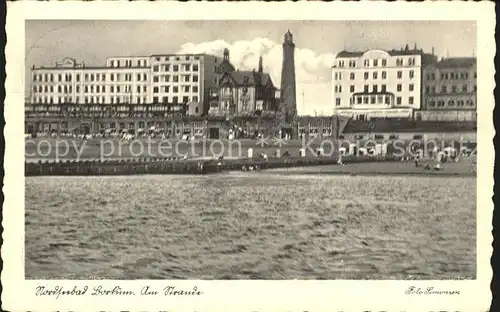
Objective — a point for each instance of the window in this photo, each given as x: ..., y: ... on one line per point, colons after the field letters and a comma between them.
x: 365, y: 89
x: 359, y: 100
x: 399, y: 87
x: 352, y: 76
x: 195, y: 89
x: 111, y: 89
x: 380, y: 99
x: 451, y: 103
x: 464, y: 88
x: 417, y: 137
x: 340, y: 88
x: 400, y: 74
x: 176, y: 89
x: 352, y: 63
x: 410, y: 100
x: 398, y: 100
x: 176, y: 78
x: 195, y: 78
x: 341, y: 63
x: 155, y: 79
x: 155, y: 68
x: 384, y: 88
x: 366, y: 75
x: 337, y: 101
x: 155, y: 99
x: 375, y: 88
x: 351, y: 89
x: 411, y: 87
x: 186, y: 88
x: 367, y: 63
x: 427, y: 90
x: 185, y: 99
x: 186, y: 78
x: 372, y: 99
x: 387, y: 100
x: 443, y: 89
x: 453, y: 88
x: 155, y: 89
x: 411, y: 74
x: 195, y: 67
x: 195, y: 99
x: 375, y: 62
x: 399, y: 62
x: 375, y: 75
x: 176, y: 68
x: 384, y: 75
x: 433, y: 90
x: 365, y: 100
x: 411, y: 61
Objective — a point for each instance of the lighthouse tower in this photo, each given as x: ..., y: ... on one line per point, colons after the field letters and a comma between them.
x: 288, y: 93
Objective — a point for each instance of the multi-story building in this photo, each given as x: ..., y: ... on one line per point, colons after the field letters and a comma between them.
x: 450, y: 90
x: 184, y: 79
x: 378, y: 83
x: 123, y: 80
x: 129, y: 80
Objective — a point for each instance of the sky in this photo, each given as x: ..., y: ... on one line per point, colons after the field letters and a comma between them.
x: 317, y: 43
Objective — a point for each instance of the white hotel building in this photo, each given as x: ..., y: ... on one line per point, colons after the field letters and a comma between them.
x: 168, y: 78
x: 378, y: 83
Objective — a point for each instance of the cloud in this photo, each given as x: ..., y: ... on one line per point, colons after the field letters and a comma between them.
x: 312, y: 70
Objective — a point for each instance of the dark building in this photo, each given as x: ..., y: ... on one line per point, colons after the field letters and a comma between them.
x: 288, y: 92
x: 450, y: 89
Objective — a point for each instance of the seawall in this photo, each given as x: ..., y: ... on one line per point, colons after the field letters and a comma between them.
x: 169, y: 166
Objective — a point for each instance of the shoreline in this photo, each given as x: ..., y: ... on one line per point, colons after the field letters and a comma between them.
x: 363, y: 166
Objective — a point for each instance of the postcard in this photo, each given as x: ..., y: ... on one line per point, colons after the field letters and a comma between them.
x: 308, y: 156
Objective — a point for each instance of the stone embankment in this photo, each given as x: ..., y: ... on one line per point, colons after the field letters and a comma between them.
x: 173, y: 166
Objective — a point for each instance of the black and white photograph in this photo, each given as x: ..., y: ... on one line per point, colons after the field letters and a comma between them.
x: 253, y: 149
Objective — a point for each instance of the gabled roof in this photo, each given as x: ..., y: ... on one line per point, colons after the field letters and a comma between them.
x: 225, y: 67
x: 248, y: 78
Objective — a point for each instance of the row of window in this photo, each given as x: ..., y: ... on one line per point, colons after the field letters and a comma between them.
x: 453, y: 89
x: 88, y: 77
x: 175, y: 99
x: 89, y: 99
x: 377, y: 62
x: 175, y: 68
x: 375, y: 75
x: 89, y: 89
x: 175, y: 89
x: 375, y: 89
x: 176, y: 58
x: 175, y: 78
x: 128, y: 63
x: 450, y: 76
x: 451, y: 103
x: 375, y: 99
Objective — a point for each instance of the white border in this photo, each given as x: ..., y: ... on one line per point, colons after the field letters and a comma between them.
x: 18, y: 294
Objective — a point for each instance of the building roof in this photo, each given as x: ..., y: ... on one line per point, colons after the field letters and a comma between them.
x: 393, y: 52
x: 225, y: 67
x: 249, y: 78
x: 457, y: 62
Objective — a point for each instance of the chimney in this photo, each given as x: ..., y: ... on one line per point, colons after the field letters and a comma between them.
x: 260, y: 64
x: 432, y: 50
